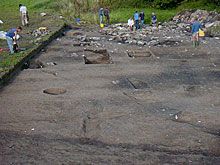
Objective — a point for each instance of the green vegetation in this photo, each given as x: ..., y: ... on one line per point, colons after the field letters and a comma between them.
x: 9, y: 14
x: 199, y: 4
x: 122, y: 15
x: 87, y: 10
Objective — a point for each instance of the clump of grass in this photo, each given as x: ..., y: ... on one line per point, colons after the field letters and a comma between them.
x: 122, y: 15
x: 200, y: 4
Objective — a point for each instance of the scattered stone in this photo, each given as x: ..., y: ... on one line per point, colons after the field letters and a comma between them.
x: 115, y: 82
x: 95, y: 38
x: 43, y: 14
x: 1, y: 22
x: 176, y: 117
x: 51, y: 63
x: 179, y: 28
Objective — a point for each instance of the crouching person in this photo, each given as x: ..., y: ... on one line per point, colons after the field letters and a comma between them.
x: 131, y: 24
x: 11, y: 37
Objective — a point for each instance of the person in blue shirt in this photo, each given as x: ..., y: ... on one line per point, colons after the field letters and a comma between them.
x: 11, y: 37
x: 136, y: 20
x: 154, y: 19
x: 101, y: 14
x: 195, y: 32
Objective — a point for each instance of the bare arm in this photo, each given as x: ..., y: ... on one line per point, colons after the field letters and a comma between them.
x: 15, y: 37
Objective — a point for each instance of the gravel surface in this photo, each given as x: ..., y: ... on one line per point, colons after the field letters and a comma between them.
x: 162, y: 108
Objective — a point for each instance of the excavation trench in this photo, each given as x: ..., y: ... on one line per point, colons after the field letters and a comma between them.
x: 124, y: 113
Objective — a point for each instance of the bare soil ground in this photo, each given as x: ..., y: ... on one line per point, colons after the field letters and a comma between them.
x: 157, y: 109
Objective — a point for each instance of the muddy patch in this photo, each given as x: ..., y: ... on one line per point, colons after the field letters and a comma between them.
x: 138, y: 53
x: 55, y: 91
x: 100, y: 56
x: 131, y: 83
x: 33, y: 64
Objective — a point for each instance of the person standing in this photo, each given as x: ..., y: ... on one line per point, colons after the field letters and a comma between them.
x: 101, y: 13
x: 24, y: 14
x: 11, y: 37
x: 195, y: 32
x: 142, y: 18
x: 154, y: 20
x: 136, y: 20
x: 107, y: 15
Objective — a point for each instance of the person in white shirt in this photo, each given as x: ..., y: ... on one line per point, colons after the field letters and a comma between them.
x: 24, y: 14
x: 131, y: 24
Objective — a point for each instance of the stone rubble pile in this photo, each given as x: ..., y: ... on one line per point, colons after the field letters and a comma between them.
x: 209, y: 19
x: 170, y: 33
x: 83, y: 40
x: 148, y: 36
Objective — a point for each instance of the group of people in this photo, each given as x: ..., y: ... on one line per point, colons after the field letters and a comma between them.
x: 138, y: 20
x: 12, y: 34
x: 104, y: 13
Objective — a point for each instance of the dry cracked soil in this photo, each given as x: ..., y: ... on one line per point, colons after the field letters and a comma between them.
x: 135, y: 105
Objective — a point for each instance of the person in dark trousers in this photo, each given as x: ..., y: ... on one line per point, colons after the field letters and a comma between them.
x: 107, y: 15
x: 136, y: 20
x: 154, y: 20
x: 11, y: 37
x: 195, y: 32
x: 142, y: 18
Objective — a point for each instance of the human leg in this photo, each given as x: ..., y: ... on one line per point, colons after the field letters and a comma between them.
x: 197, y: 39
x: 136, y: 24
x: 108, y: 20
x: 25, y: 19
x: 10, y: 44
x: 22, y: 20
x: 101, y: 20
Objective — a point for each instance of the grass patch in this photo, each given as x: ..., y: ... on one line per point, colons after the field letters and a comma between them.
x: 10, y: 15
x: 199, y: 4
x: 122, y: 15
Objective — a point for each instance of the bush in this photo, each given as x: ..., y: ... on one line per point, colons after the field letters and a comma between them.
x: 165, y: 4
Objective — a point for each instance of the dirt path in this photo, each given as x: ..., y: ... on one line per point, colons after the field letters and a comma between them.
x: 162, y: 108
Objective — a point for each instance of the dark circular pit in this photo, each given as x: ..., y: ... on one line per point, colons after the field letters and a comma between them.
x: 55, y: 91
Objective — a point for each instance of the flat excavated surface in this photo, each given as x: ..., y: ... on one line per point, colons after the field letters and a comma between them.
x: 162, y: 108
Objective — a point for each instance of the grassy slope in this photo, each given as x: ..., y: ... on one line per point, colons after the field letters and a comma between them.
x: 9, y: 14
x: 199, y: 4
